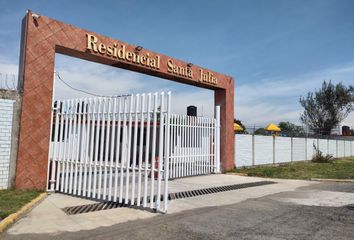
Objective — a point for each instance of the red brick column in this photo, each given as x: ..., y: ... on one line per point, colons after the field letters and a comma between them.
x: 225, y: 98
x: 39, y: 56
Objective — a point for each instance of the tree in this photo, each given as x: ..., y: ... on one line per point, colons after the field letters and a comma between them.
x: 327, y: 108
x: 291, y: 130
x: 261, y: 131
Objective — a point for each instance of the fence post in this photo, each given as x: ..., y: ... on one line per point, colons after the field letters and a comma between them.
x: 53, y: 156
x: 217, y: 152
x: 253, y: 151
x: 344, y: 147
x: 336, y: 148
x: 273, y: 149
x: 305, y: 148
x: 292, y: 149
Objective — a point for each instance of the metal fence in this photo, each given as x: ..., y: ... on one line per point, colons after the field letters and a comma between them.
x: 194, y: 145
x: 112, y: 149
x: 125, y: 149
x: 251, y: 150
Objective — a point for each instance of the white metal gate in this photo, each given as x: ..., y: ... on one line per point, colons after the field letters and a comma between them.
x: 112, y: 149
x: 195, y: 148
x: 117, y: 148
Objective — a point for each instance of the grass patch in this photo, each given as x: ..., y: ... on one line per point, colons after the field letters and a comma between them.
x: 12, y: 200
x: 338, y: 169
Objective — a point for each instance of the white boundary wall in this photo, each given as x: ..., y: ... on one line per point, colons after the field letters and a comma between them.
x: 253, y: 150
x: 6, y: 114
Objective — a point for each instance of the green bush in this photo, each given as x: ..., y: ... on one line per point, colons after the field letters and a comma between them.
x: 319, y: 157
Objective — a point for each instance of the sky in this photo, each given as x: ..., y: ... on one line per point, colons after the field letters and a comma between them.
x: 277, y: 50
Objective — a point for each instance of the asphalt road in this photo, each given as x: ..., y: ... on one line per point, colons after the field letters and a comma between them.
x: 263, y: 218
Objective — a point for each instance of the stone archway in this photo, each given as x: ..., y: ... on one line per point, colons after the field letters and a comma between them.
x: 42, y: 37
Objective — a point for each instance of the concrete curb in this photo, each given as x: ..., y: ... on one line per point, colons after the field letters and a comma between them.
x: 5, y: 223
x: 332, y: 180
x: 238, y: 174
x: 311, y: 179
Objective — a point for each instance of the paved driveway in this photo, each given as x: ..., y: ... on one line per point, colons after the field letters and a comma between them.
x: 317, y: 211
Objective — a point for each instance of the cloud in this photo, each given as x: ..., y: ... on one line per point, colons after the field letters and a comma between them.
x: 257, y: 103
x: 8, y: 68
x: 105, y: 80
x: 277, y: 99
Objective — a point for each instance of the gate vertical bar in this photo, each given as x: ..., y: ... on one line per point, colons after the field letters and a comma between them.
x: 188, y: 146
x: 82, y: 147
x: 172, y: 168
x: 214, y: 153
x: 141, y: 143
x: 92, y: 104
x: 200, y: 144
x: 60, y: 160
x: 77, y: 145
x: 195, y: 148
x: 210, y: 144
x: 113, y: 135
x: 184, y: 146
x: 121, y: 180
x: 66, y: 143
x: 87, y: 108
x: 69, y: 139
x: 73, y: 147
x: 107, y: 144
x: 205, y: 145
x: 147, y: 147
x: 118, y: 159
x: 178, y: 146
x: 205, y: 149
x: 168, y: 153
x: 101, y: 141
x: 129, y: 136
x: 161, y: 149
x: 137, y: 99
x: 153, y: 153
x: 97, y: 143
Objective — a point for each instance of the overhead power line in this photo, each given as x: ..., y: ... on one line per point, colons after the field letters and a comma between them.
x: 84, y: 91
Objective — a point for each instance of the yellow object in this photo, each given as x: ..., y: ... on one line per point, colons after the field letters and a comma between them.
x: 5, y: 223
x: 237, y: 127
x: 272, y: 127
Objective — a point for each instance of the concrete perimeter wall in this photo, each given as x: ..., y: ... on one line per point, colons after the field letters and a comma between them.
x: 251, y: 150
x: 10, y: 105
